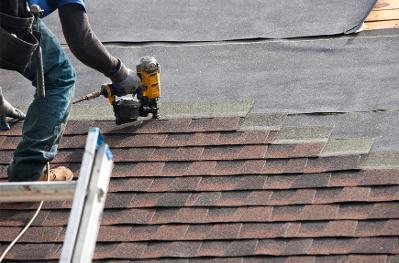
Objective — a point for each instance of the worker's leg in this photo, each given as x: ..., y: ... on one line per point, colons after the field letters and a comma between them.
x: 46, y: 118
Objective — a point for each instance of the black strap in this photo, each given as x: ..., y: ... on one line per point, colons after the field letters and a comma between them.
x: 15, y: 24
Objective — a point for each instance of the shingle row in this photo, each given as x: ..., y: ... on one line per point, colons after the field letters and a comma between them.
x: 184, y: 125
x: 12, y: 215
x: 222, y: 231
x: 255, y: 197
x: 188, y: 249
x: 255, y: 182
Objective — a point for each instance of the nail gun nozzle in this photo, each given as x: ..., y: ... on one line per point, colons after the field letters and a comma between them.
x: 89, y: 96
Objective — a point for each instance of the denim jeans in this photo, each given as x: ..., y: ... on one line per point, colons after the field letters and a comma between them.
x: 46, y: 118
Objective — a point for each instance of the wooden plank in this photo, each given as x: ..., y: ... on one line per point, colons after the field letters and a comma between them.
x: 386, y: 4
x: 36, y: 191
x: 383, y: 15
x: 381, y: 25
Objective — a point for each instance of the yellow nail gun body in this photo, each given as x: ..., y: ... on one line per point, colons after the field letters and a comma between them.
x: 149, y: 73
x: 128, y: 110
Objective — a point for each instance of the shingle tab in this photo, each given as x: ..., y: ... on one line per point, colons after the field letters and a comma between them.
x: 297, y: 135
x: 381, y: 160
x: 339, y: 147
x: 205, y: 109
x: 263, y: 121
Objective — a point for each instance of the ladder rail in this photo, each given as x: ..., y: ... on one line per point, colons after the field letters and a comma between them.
x: 36, y: 191
x: 94, y: 141
x: 92, y: 213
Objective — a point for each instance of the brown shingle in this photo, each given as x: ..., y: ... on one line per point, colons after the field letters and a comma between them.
x: 130, y: 185
x: 378, y: 228
x: 124, y: 216
x: 241, y: 248
x: 171, y: 232
x: 319, y: 212
x: 230, y: 167
x: 34, y: 234
x: 175, y: 154
x: 215, y: 124
x: 181, y: 139
x: 327, y: 246
x: 124, y: 250
x: 339, y: 163
x: 213, y: 248
x: 327, y: 229
x: 136, y: 140
x: 262, y: 230
x: 276, y: 247
x: 226, y: 214
x: 40, y: 251
x: 176, y: 168
x: 375, y: 245
x: 20, y: 217
x: 289, y: 197
x: 133, y: 169
x: 171, y: 249
x: 345, y: 194
x: 200, y: 190
x: 365, y: 177
x: 138, y: 155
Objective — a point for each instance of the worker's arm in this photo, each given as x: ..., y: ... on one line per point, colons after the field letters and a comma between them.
x: 85, y: 45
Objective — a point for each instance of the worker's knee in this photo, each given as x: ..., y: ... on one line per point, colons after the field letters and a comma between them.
x: 61, y: 74
x: 66, y: 77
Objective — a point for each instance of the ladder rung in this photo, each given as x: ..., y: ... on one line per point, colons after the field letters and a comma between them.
x: 36, y: 191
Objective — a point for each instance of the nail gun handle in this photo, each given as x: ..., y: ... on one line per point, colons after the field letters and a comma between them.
x: 107, y: 90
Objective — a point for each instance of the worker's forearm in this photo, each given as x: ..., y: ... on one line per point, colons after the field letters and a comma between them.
x: 84, y: 44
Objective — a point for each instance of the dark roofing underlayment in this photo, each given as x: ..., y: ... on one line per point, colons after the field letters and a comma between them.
x: 225, y: 189
x: 207, y: 20
x: 353, y: 73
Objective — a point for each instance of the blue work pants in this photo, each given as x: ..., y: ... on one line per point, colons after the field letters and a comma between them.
x: 46, y: 118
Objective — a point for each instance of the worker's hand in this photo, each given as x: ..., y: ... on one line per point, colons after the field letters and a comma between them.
x: 15, y: 114
x: 4, y: 126
x: 125, y: 81
x: 127, y: 86
x: 7, y: 110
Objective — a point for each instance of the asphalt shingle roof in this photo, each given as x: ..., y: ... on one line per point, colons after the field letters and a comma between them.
x: 188, y: 190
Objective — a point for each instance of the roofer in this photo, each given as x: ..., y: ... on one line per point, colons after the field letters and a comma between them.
x: 46, y: 117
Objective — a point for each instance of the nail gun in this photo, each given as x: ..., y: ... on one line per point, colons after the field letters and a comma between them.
x: 129, y: 109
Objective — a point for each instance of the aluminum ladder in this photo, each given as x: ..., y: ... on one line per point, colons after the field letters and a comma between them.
x: 88, y: 194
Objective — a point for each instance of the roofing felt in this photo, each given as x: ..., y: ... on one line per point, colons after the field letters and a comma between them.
x: 220, y: 189
x: 207, y: 20
x: 354, y: 73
